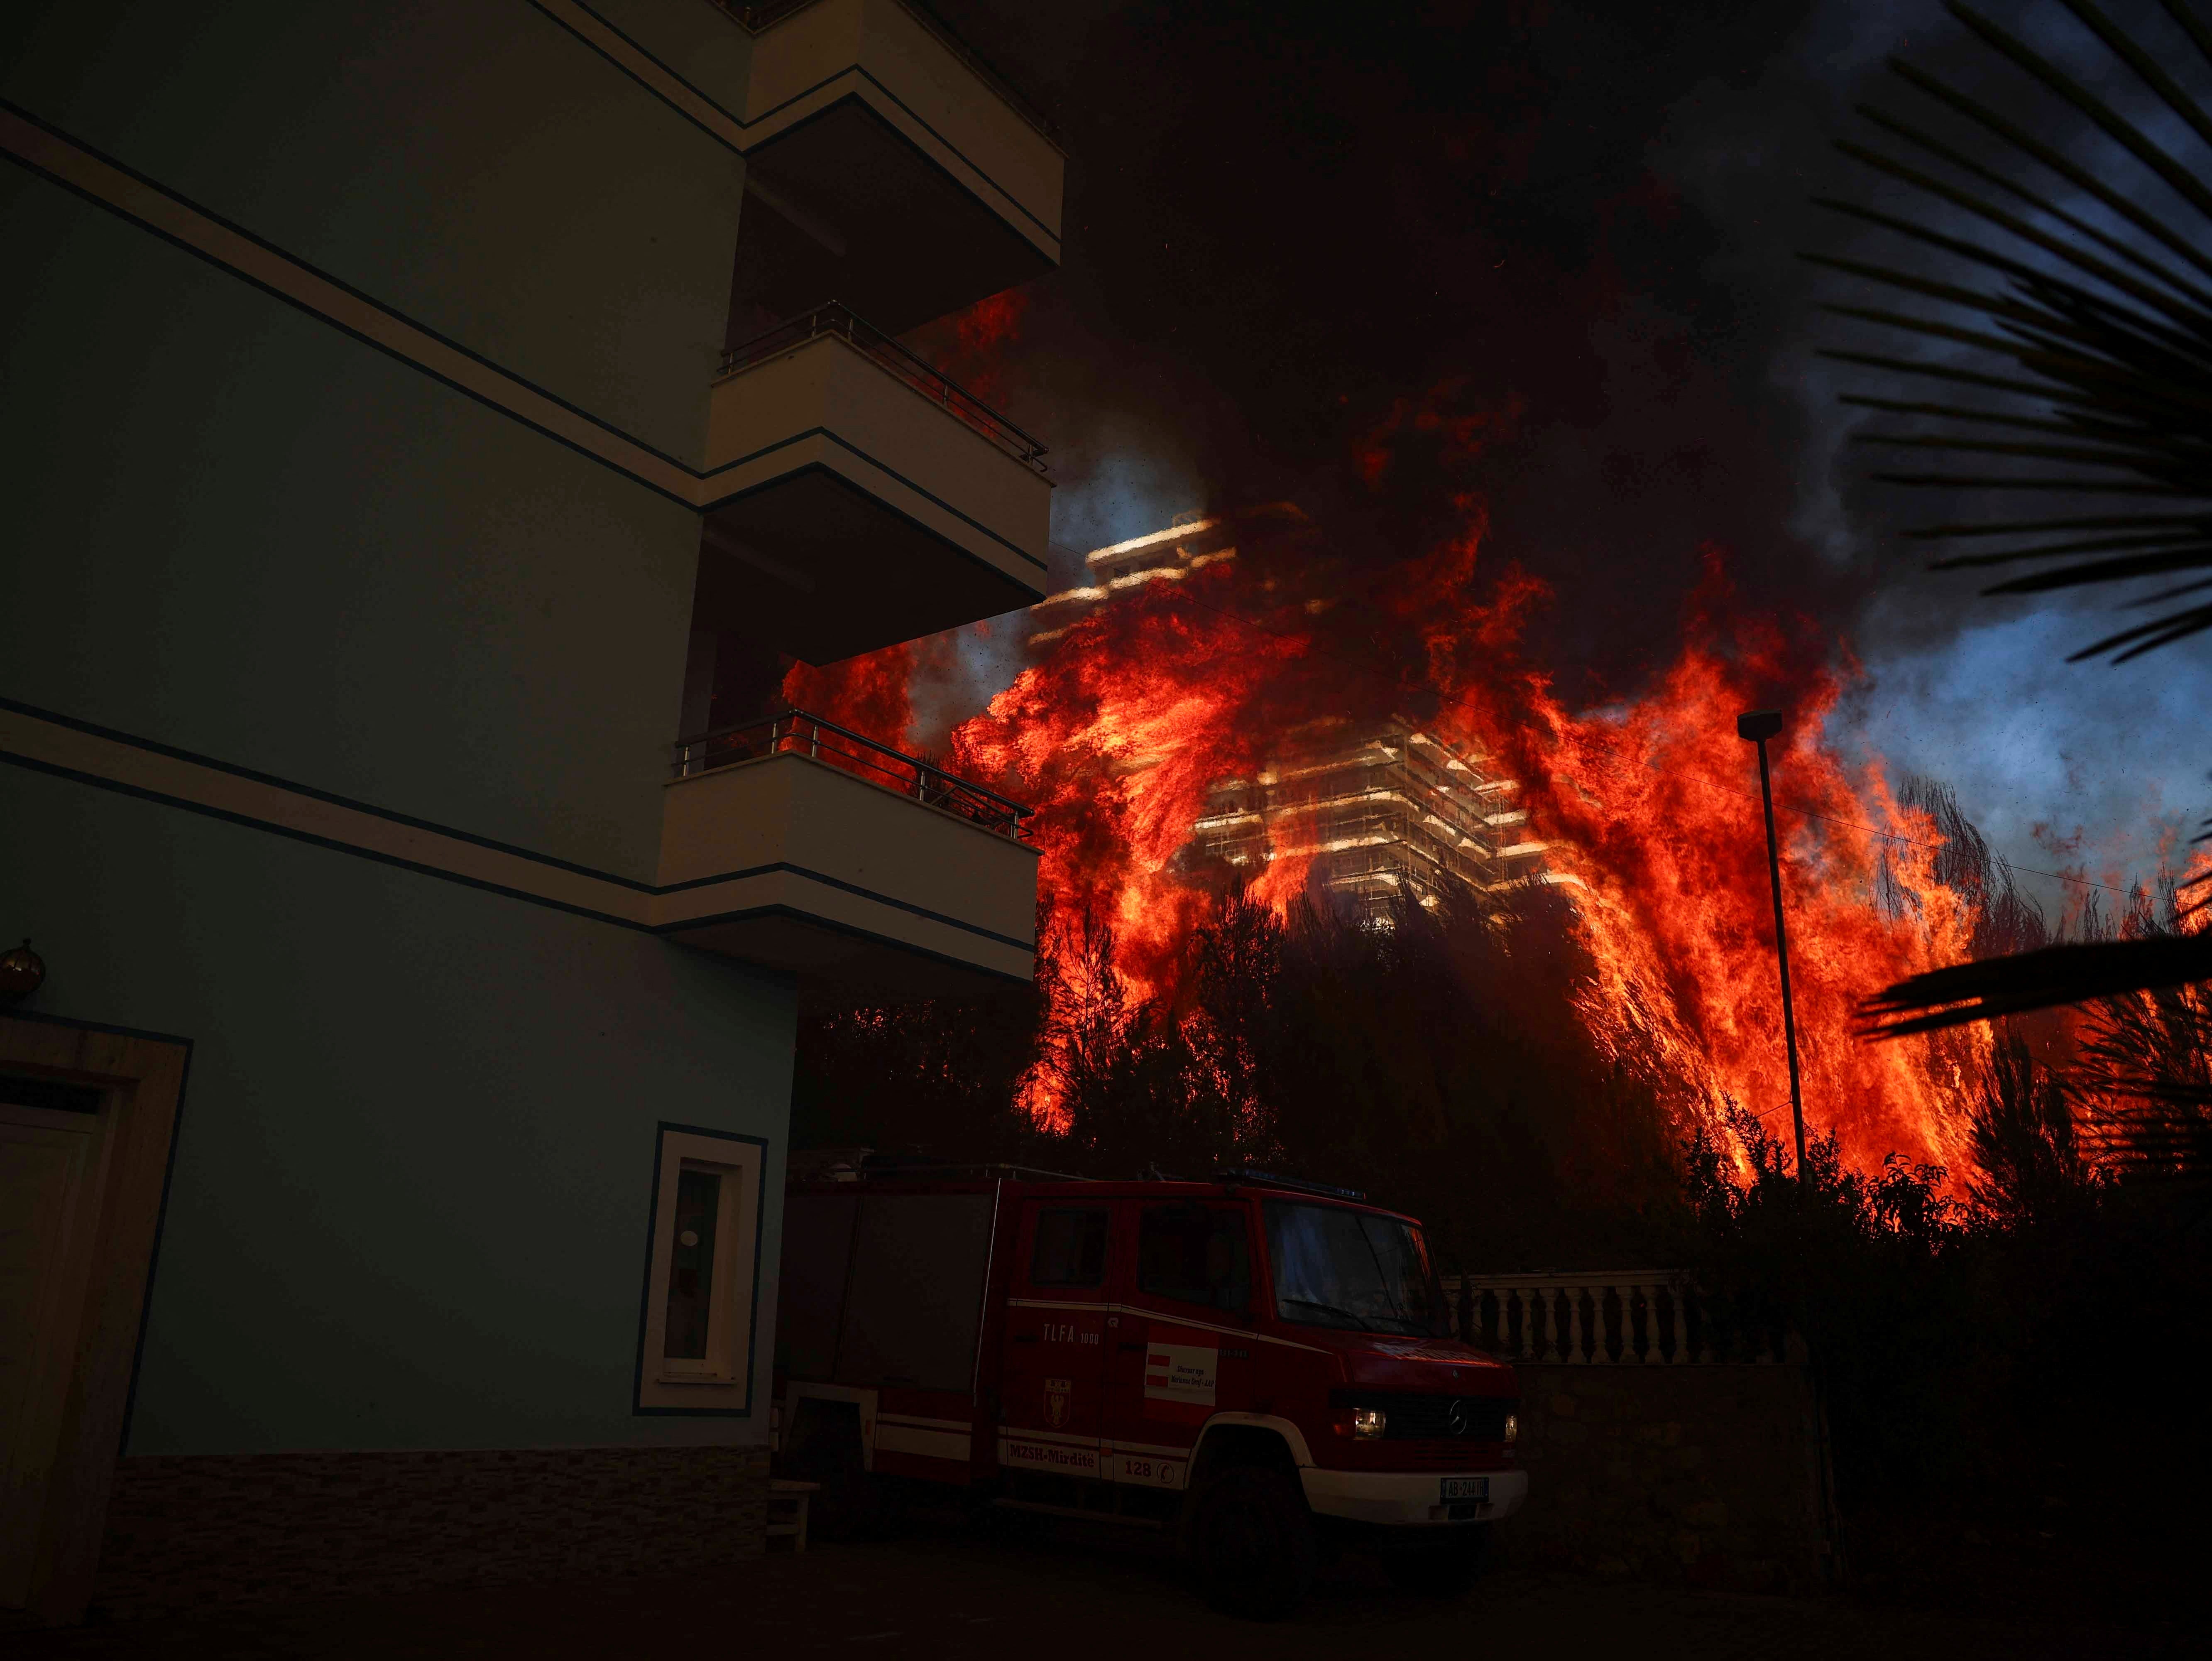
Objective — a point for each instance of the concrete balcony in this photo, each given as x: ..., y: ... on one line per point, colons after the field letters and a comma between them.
x: 856, y: 497
x: 888, y: 165
x: 800, y: 847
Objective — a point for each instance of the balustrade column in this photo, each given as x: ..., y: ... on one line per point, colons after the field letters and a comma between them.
x: 1575, y: 1325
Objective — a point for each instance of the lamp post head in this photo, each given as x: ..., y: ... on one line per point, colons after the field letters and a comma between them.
x: 1758, y: 726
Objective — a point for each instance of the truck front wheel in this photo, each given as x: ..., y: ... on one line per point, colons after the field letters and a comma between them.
x: 1441, y: 1566
x: 1250, y: 1539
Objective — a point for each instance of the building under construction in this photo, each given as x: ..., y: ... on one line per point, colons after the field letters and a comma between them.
x: 1388, y: 813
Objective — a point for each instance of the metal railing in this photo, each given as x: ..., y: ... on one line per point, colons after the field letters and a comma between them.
x: 757, y: 18
x: 796, y: 732
x: 841, y: 320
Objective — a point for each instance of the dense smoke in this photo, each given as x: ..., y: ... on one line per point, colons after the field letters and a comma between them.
x: 1502, y: 301
x: 1290, y: 230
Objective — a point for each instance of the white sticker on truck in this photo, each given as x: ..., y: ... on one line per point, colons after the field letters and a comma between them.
x: 1148, y: 1469
x: 1182, y: 1372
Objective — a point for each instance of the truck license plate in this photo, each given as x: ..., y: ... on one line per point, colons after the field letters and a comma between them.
x: 1467, y: 1487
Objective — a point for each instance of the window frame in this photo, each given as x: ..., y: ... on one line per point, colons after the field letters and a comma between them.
x: 1087, y: 1291
x: 1438, y: 1324
x: 721, y: 1384
x: 1212, y: 1208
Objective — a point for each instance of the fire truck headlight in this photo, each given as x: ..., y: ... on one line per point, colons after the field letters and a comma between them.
x: 1368, y: 1423
x: 1513, y: 1428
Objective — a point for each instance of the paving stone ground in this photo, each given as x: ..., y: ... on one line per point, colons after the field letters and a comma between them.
x: 1062, y: 1592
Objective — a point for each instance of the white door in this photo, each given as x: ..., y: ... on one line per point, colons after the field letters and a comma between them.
x: 49, y: 1166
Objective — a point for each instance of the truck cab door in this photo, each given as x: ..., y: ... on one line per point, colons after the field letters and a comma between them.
x: 1055, y: 1338
x: 1183, y: 1350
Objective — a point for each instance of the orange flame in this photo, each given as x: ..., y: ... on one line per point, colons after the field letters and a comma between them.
x: 871, y: 694
x: 1654, y: 805
x: 1129, y: 717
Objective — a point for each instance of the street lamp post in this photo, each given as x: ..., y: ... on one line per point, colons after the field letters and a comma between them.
x: 1757, y: 727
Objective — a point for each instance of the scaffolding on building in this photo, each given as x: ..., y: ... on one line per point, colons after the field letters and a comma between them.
x: 1389, y: 814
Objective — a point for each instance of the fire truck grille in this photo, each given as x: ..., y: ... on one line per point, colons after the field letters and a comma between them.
x: 1432, y: 1418
x: 1440, y: 1456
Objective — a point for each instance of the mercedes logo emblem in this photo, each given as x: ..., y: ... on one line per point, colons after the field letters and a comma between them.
x: 1455, y: 1416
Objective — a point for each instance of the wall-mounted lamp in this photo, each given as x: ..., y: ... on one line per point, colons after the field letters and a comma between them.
x: 21, y: 973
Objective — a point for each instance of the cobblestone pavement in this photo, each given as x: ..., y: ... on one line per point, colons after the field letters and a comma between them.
x: 1072, y: 1597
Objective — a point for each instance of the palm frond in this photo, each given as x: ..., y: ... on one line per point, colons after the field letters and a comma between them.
x: 2055, y: 975
x: 2021, y: 142
x: 2119, y: 248
x: 2076, y: 361
x: 2111, y: 334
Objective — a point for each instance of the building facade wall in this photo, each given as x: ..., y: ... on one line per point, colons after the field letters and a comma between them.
x: 356, y: 372
x: 480, y: 168
x: 410, y: 1201
x: 253, y: 535
x: 398, y: 1294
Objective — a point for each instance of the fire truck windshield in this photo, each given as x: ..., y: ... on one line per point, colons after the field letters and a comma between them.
x: 1335, y: 1267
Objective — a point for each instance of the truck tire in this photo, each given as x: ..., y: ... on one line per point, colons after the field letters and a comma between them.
x: 1446, y: 1566
x: 1250, y: 1542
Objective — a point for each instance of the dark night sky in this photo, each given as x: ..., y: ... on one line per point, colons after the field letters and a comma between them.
x: 1286, y: 220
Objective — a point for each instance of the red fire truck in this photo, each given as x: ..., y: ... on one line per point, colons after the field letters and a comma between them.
x: 1253, y: 1362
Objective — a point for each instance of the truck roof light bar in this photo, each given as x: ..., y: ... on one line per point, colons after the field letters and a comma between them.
x: 1296, y: 1185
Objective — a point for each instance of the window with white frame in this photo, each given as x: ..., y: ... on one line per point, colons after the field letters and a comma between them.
x: 703, y: 1274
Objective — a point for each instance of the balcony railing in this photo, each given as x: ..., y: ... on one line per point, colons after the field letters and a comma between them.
x: 795, y: 733
x: 1647, y: 1317
x: 918, y: 373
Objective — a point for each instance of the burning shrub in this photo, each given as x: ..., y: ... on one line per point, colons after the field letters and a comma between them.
x: 2032, y: 1164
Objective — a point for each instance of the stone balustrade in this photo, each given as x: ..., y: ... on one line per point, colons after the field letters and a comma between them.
x: 1643, y: 1317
